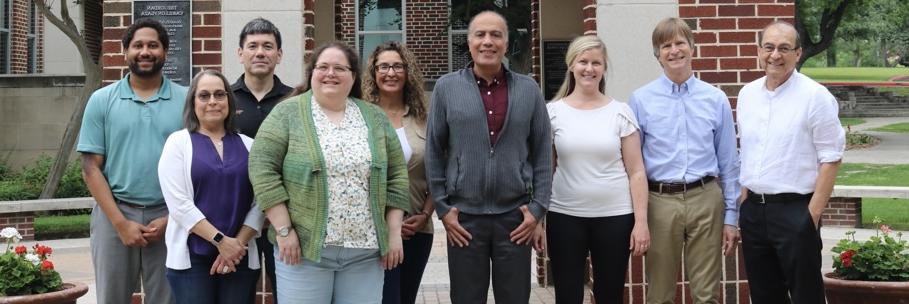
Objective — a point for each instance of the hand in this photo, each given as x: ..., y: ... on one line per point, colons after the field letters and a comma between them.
x: 524, y: 233
x: 289, y: 248
x: 131, y: 233
x: 395, y: 255
x: 457, y: 235
x: 730, y: 239
x: 640, y: 239
x: 539, y: 238
x: 157, y: 227
x: 231, y: 249
x: 413, y: 224
x: 222, y: 265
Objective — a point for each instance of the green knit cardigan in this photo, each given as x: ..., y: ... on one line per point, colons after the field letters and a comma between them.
x: 286, y: 166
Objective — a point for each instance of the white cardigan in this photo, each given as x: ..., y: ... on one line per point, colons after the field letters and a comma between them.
x: 175, y: 174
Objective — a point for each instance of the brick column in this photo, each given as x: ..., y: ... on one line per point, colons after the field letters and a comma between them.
x: 535, y: 42
x: 426, y: 29
x: 590, y: 17
x: 18, y: 31
x: 206, y: 35
x: 345, y: 26
x: 309, y: 28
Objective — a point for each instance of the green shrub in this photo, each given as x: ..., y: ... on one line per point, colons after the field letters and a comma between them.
x: 28, y: 183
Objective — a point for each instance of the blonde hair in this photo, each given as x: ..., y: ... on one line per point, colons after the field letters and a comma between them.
x: 667, y: 29
x: 578, y: 46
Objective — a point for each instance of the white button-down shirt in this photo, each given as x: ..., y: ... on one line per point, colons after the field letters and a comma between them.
x: 786, y: 134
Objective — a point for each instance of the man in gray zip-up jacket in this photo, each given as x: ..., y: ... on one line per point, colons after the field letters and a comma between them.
x: 489, y: 167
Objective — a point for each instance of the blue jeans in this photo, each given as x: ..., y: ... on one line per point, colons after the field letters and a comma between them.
x: 196, y: 286
x: 403, y: 282
x: 344, y: 275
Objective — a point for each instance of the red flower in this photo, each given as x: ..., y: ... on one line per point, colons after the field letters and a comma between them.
x: 47, y: 265
x: 21, y: 249
x: 846, y: 257
x: 43, y: 250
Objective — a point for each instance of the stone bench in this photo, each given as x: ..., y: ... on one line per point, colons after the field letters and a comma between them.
x: 844, y: 209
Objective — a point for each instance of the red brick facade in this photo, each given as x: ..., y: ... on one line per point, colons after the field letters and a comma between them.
x: 427, y: 35
x: 19, y: 30
x: 24, y: 222
x: 726, y: 34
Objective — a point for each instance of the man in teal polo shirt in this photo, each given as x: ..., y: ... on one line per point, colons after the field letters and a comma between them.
x: 123, y: 132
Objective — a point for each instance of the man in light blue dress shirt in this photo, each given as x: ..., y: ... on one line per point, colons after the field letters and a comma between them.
x: 689, y: 148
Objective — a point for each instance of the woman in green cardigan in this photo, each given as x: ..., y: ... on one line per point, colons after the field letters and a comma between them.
x: 328, y: 171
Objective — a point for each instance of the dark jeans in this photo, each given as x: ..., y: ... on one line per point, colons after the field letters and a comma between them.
x: 196, y: 286
x: 403, y: 282
x: 490, y: 251
x: 267, y: 256
x: 782, y: 250
x: 569, y: 240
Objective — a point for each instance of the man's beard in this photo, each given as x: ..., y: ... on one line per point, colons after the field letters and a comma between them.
x: 134, y: 68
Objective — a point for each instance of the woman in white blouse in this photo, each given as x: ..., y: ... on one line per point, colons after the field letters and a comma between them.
x: 599, y: 190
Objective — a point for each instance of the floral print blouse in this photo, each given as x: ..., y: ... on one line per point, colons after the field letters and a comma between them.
x: 345, y: 148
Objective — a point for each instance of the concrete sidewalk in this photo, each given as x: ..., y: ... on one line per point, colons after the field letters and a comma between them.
x: 72, y: 259
x: 893, y: 148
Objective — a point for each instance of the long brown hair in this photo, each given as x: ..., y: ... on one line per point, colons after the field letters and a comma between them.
x: 190, y: 121
x: 414, y: 97
x: 352, y: 59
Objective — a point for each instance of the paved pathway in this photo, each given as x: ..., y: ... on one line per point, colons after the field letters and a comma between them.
x: 73, y: 260
x: 893, y: 149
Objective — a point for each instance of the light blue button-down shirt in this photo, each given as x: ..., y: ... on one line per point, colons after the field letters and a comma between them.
x: 687, y: 134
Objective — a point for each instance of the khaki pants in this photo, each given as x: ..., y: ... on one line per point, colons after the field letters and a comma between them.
x: 691, y: 223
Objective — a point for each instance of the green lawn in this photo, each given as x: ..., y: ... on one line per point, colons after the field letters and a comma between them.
x: 853, y: 74
x: 895, y: 212
x: 902, y: 127
x: 849, y: 121
x: 61, y: 226
x: 898, y: 91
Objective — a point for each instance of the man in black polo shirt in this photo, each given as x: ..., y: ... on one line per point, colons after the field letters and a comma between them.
x: 257, y: 91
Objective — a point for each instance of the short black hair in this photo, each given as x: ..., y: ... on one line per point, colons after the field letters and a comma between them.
x: 143, y: 23
x: 260, y: 26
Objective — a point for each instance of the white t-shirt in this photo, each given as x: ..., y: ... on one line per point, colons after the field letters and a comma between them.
x: 405, y: 146
x: 590, y: 178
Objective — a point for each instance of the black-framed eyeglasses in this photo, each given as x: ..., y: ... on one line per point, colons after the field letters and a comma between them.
x: 338, y: 69
x: 205, y: 96
x: 769, y: 48
x: 394, y: 68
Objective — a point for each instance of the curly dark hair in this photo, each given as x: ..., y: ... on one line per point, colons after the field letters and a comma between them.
x: 414, y: 97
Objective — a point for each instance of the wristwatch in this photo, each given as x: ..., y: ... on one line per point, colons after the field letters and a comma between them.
x: 283, y: 231
x: 217, y: 238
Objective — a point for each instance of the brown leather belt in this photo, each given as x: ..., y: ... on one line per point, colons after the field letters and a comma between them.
x: 670, y: 188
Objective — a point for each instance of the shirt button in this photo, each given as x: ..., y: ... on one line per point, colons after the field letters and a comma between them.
x: 490, y: 112
x: 492, y: 133
x: 488, y: 92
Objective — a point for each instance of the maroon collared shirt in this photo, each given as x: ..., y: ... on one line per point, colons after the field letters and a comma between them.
x: 495, y: 102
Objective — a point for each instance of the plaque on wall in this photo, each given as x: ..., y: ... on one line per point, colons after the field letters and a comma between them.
x: 553, y: 66
x: 176, y: 16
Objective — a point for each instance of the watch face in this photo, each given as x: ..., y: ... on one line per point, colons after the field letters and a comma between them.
x: 218, y: 237
x: 284, y: 231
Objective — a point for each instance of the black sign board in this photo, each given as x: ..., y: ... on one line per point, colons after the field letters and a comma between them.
x: 177, y: 18
x: 553, y: 66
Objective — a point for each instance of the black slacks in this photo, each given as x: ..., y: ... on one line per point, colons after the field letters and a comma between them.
x: 782, y: 249
x: 570, y: 238
x: 490, y: 251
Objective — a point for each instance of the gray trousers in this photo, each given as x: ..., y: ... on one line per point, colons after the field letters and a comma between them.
x: 469, y: 267
x: 118, y: 267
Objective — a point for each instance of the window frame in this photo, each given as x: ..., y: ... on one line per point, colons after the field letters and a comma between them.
x: 5, y: 58
x: 358, y: 32
x: 32, y: 36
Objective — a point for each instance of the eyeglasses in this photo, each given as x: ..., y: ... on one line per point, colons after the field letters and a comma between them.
x: 338, y: 69
x: 769, y: 48
x: 394, y: 68
x: 205, y: 96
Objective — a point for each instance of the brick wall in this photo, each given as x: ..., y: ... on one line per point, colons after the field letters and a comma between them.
x: 843, y: 212
x: 535, y: 42
x: 309, y: 28
x: 345, y: 24
x: 19, y: 26
x: 206, y: 31
x: 589, y: 15
x: 726, y: 34
x: 427, y: 35
x: 24, y: 222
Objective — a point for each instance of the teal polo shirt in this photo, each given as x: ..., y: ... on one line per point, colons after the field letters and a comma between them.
x: 130, y: 133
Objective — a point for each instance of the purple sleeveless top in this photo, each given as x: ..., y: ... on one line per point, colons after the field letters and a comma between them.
x: 222, y: 189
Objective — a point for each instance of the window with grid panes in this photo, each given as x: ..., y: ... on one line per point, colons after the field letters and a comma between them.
x: 32, y: 39
x: 378, y: 21
x: 517, y: 14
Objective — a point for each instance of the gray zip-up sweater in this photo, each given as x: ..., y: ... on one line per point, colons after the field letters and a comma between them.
x: 465, y: 171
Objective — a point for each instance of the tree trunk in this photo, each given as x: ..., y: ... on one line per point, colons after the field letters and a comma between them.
x: 882, y: 53
x: 831, y: 55
x: 92, y: 82
x: 857, y: 55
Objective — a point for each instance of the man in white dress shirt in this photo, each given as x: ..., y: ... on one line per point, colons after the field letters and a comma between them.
x: 791, y: 147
